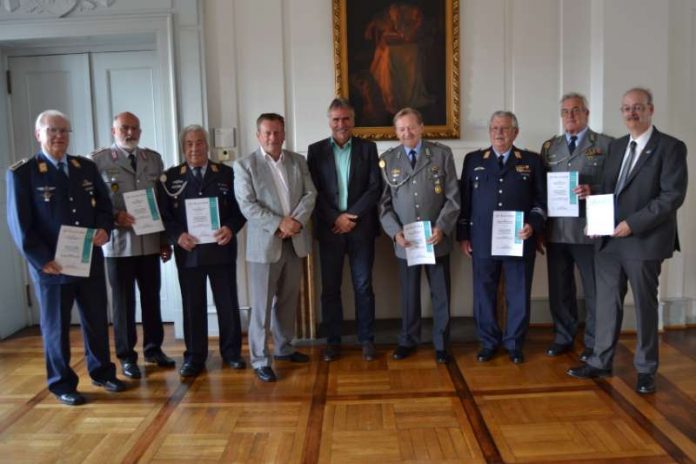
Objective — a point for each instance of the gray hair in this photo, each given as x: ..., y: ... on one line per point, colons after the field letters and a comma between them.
x: 124, y: 113
x: 339, y: 103
x: 644, y: 91
x: 575, y: 95
x: 192, y: 128
x: 40, y: 119
x: 504, y: 114
x: 405, y: 112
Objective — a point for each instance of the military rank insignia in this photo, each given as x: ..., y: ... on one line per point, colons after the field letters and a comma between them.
x: 592, y: 152
x: 43, y: 169
x: 114, y: 187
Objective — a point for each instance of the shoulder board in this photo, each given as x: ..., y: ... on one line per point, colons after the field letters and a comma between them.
x: 18, y: 164
x: 389, y: 152
x: 149, y: 150
x: 99, y: 151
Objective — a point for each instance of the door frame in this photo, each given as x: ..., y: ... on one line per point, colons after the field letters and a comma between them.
x: 28, y: 37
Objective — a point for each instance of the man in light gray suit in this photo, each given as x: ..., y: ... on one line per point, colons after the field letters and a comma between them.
x: 421, y: 185
x: 647, y: 173
x: 276, y: 194
x: 583, y: 151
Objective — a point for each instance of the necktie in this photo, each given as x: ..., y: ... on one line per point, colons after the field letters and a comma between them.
x: 501, y: 161
x: 626, y: 169
x: 572, y: 145
x: 198, y: 174
x: 62, y: 168
x: 412, y: 157
x: 133, y: 161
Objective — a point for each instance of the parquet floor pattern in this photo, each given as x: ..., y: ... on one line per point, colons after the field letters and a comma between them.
x: 353, y: 411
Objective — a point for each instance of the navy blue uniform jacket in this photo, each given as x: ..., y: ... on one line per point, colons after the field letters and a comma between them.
x: 40, y: 200
x: 175, y: 187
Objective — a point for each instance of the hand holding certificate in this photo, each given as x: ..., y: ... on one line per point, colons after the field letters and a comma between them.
x: 203, y: 218
x: 505, y: 236
x: 600, y: 215
x: 74, y: 250
x: 420, y: 251
x: 562, y: 200
x: 141, y: 204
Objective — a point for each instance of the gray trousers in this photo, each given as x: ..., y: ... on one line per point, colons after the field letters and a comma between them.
x: 613, y: 273
x: 439, y: 279
x: 275, y: 289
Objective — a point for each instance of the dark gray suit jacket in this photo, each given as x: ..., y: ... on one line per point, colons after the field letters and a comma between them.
x: 364, y: 187
x: 654, y: 190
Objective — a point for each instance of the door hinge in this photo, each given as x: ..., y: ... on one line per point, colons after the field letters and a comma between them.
x: 9, y: 82
x: 27, y: 287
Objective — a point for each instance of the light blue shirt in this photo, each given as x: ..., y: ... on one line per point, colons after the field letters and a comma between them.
x: 579, y: 136
x: 342, y: 159
x: 417, y: 148
x: 506, y: 155
x: 55, y: 162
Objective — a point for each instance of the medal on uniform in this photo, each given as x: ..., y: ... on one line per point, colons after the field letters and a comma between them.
x: 47, y: 192
x: 382, y: 164
x: 438, y: 189
x: 114, y: 187
x: 43, y: 168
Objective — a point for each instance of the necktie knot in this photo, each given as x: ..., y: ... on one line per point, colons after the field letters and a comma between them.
x: 501, y: 161
x: 197, y: 173
x: 573, y: 143
x: 63, y: 168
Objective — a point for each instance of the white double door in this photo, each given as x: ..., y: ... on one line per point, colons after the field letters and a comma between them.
x: 91, y: 88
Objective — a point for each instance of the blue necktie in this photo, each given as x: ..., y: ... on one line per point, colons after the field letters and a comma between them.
x: 63, y: 168
x: 572, y: 145
x: 412, y: 157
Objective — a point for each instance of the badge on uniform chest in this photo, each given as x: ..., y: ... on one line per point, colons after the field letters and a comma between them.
x: 47, y: 192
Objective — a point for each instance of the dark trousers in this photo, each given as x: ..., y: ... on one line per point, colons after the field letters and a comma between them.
x: 123, y: 274
x: 55, y: 303
x: 361, y: 257
x: 223, y: 282
x: 562, y: 259
x: 518, y: 287
x: 410, y: 280
x: 613, y: 273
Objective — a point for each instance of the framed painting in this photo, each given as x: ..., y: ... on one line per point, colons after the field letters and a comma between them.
x: 392, y: 54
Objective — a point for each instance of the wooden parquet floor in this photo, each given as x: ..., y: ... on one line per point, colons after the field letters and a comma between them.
x: 353, y: 411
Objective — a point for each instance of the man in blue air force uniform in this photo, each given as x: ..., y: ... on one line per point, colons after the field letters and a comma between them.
x: 199, y: 177
x: 132, y: 258
x: 501, y: 178
x: 43, y: 193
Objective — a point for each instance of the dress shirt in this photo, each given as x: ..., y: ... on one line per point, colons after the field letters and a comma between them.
x: 280, y: 179
x: 641, y: 142
x: 342, y: 158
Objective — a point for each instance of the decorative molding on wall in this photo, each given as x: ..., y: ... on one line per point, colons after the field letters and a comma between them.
x: 54, y: 8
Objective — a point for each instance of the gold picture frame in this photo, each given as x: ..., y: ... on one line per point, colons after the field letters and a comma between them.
x: 389, y: 54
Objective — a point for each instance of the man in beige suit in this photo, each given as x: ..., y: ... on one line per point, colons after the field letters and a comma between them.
x: 276, y: 194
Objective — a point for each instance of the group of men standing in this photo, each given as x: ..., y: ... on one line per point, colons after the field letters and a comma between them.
x: 350, y: 192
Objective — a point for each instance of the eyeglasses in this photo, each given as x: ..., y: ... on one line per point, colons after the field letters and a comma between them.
x: 496, y: 129
x: 58, y: 130
x: 576, y: 110
x: 126, y: 128
x: 637, y: 108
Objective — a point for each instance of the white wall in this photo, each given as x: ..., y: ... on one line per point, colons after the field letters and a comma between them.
x: 520, y: 55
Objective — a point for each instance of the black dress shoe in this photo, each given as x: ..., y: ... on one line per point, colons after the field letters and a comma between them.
x: 485, y: 355
x: 557, y: 349
x: 368, y: 351
x: 265, y: 374
x: 442, y: 357
x: 516, y: 356
x: 402, y: 352
x: 131, y: 370
x: 111, y: 385
x: 161, y: 359
x: 331, y: 352
x: 645, y: 384
x: 588, y: 372
x: 585, y: 355
x: 236, y: 363
x: 71, y: 399
x: 295, y: 357
x: 189, y: 369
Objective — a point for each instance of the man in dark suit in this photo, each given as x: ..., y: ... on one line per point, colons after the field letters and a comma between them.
x: 647, y: 173
x: 45, y: 192
x: 345, y: 173
x: 501, y: 178
x: 199, y: 177
x: 583, y: 151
